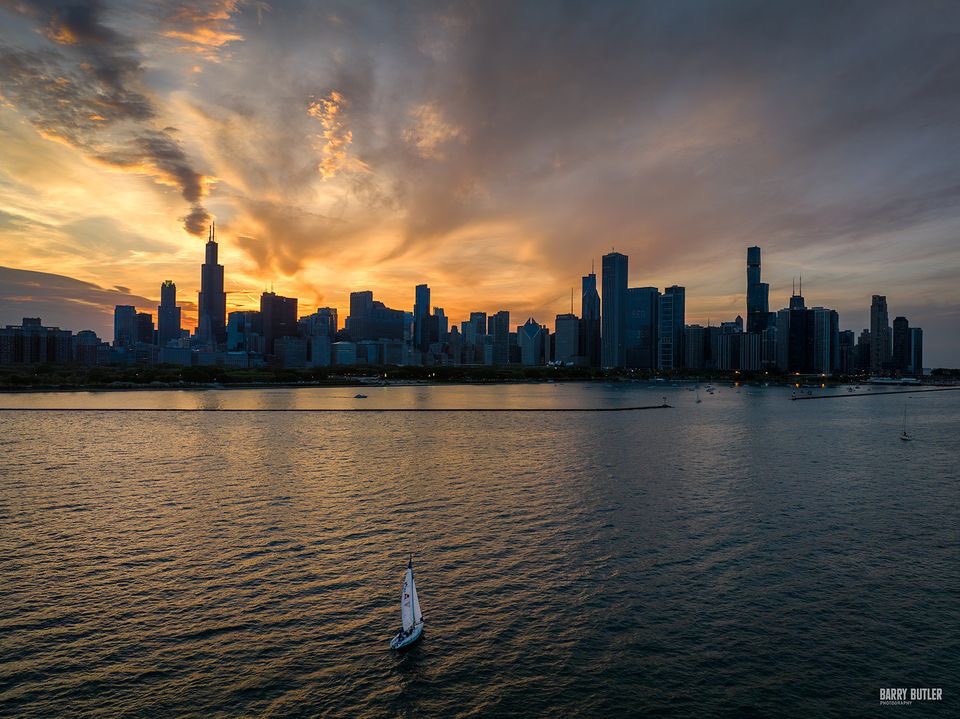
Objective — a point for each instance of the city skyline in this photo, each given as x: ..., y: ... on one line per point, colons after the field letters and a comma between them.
x: 338, y: 156
x: 624, y: 328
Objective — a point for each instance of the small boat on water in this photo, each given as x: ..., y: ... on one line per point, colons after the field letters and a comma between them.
x: 359, y: 396
x: 410, y: 615
x: 904, y: 435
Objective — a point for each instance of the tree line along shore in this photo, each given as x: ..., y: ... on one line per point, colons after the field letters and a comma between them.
x: 66, y: 377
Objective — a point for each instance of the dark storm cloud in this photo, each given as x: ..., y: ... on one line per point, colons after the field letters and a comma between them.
x: 620, y: 123
x: 86, y: 92
x: 62, y: 301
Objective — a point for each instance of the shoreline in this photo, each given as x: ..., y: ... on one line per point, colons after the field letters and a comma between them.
x: 371, y: 383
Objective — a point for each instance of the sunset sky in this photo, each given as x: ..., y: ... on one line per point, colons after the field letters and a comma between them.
x: 490, y: 149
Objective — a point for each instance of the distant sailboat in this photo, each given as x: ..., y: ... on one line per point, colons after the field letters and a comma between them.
x: 410, y: 614
x: 904, y: 435
x: 698, y: 397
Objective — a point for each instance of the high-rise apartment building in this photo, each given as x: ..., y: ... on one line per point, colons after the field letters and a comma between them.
x: 880, y: 348
x: 670, y: 328
x: 613, y: 316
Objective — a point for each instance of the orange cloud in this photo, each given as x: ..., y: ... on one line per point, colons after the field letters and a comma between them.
x: 336, y: 138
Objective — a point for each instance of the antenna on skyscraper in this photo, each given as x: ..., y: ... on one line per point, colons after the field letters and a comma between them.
x: 793, y: 287
x: 571, y: 300
x: 801, y: 285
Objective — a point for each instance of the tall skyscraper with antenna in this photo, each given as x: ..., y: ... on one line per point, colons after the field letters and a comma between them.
x: 758, y: 293
x: 212, y: 303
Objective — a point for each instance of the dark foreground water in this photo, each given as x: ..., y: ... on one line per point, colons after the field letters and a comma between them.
x: 747, y: 556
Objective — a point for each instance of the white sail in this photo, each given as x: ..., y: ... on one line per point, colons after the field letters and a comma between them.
x: 417, y: 614
x: 407, y: 598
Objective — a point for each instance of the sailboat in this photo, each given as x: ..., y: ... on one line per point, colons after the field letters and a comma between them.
x: 410, y: 614
x: 904, y: 435
x: 698, y: 397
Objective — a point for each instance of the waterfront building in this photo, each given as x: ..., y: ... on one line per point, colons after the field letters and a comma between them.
x: 278, y: 316
x: 290, y: 351
x: 670, y: 328
x: 319, y: 351
x: 694, y: 346
x: 32, y: 343
x: 880, y: 346
x: 88, y: 349
x: 372, y: 320
x: 848, y: 352
x: 534, y: 340
x: 590, y: 320
x: 212, y: 301
x: 750, y: 352
x: 323, y: 322
x: 145, y: 334
x: 901, y: 345
x: 442, y: 324
x: 499, y: 329
x: 641, y: 334
x: 124, y: 326
x: 863, y: 352
x: 824, y: 347
x: 567, y: 339
x: 245, y: 331
x: 916, y: 352
x: 613, y: 315
x: 421, y: 311
x: 757, y: 293
x: 344, y: 353
x: 168, y: 314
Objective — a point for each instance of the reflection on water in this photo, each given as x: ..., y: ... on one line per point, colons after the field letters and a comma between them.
x: 747, y: 554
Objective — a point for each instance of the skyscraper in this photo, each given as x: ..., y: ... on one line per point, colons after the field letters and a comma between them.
x: 824, y: 341
x: 916, y: 351
x: 212, y: 303
x: 145, y: 328
x: 901, y: 344
x: 534, y: 341
x: 590, y: 320
x: 278, y: 316
x: 567, y: 339
x: 370, y: 319
x: 613, y: 334
x: 880, y: 349
x: 500, y: 329
x: 670, y: 329
x: 124, y: 326
x: 421, y: 311
x: 642, y: 308
x: 168, y: 314
x: 758, y: 293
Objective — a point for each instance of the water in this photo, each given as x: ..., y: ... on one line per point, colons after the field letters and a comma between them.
x: 744, y: 556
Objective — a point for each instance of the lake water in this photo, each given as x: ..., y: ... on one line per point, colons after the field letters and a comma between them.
x: 746, y: 556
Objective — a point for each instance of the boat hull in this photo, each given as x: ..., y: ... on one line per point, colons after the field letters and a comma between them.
x: 400, y: 643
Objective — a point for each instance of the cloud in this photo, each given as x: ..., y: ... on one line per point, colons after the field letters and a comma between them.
x: 430, y: 131
x: 205, y: 28
x: 492, y: 149
x: 87, y: 94
x: 334, y: 142
x: 63, y: 301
